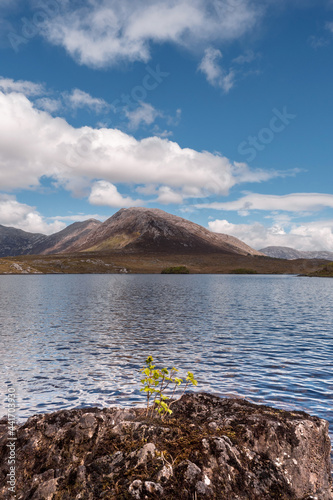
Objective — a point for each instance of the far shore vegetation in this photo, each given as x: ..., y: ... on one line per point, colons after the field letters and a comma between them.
x: 176, y: 270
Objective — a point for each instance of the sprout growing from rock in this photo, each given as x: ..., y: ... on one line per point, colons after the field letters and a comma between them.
x: 157, y: 381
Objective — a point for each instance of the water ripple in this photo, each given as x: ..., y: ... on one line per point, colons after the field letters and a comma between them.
x: 71, y: 341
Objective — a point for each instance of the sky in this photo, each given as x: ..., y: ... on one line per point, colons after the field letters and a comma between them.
x: 219, y: 111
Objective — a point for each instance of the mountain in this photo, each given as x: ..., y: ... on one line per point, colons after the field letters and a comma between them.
x: 292, y: 254
x: 63, y: 240
x: 17, y: 242
x: 129, y: 230
x: 145, y: 229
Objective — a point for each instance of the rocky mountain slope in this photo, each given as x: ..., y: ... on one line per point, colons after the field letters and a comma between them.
x: 63, y: 240
x: 291, y: 254
x: 17, y: 242
x: 132, y: 229
x: 144, y: 229
x: 209, y: 447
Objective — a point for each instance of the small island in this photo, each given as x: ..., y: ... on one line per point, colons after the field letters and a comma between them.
x: 325, y: 272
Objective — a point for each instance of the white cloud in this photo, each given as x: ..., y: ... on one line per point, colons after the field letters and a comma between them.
x: 214, y: 73
x: 161, y: 133
x: 25, y: 87
x: 35, y: 144
x: 105, y: 193
x: 144, y: 113
x: 78, y: 217
x: 22, y: 216
x: 75, y: 99
x: 101, y: 33
x: 166, y: 196
x: 80, y: 99
x: 48, y: 104
x: 245, y: 58
x: 295, y: 202
x: 305, y: 236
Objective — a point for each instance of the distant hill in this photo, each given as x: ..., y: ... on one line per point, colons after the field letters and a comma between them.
x: 129, y: 230
x: 63, y: 240
x: 153, y: 230
x: 292, y: 254
x: 14, y: 242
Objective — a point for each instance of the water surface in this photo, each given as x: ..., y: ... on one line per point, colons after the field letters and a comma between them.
x: 79, y: 340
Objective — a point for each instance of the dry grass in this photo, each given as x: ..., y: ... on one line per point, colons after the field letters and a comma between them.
x: 154, y: 263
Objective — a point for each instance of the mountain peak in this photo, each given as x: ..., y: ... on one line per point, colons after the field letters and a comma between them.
x: 153, y: 229
x: 134, y: 229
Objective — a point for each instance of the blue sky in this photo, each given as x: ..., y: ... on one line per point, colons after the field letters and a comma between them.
x: 219, y: 111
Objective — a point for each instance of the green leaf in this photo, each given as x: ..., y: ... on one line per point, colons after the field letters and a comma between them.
x: 178, y: 381
x: 157, y: 381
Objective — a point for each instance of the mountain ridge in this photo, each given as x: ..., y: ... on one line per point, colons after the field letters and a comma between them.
x: 145, y: 229
x: 135, y: 229
x: 15, y: 242
x: 288, y: 253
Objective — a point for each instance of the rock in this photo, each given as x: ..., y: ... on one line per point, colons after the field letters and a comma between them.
x: 135, y: 488
x: 154, y: 488
x: 46, y: 490
x: 165, y: 473
x: 250, y: 452
x: 203, y: 490
x: 141, y: 456
x: 191, y: 471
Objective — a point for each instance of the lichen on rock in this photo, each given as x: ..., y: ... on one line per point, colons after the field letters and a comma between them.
x: 208, y: 448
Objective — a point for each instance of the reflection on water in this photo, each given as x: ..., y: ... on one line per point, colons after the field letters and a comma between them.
x: 70, y: 341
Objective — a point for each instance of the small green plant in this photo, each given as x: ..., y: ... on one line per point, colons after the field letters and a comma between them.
x: 157, y: 381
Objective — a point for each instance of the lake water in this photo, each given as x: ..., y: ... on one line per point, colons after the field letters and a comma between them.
x: 79, y: 340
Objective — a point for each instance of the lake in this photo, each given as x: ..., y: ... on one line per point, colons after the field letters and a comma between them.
x: 79, y: 340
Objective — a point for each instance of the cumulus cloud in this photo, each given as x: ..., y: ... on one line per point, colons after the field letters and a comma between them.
x: 54, y: 101
x: 105, y: 193
x: 166, y: 196
x: 145, y: 113
x: 305, y: 236
x: 295, y: 202
x: 22, y: 216
x: 101, y: 33
x: 80, y: 99
x: 25, y: 87
x: 213, y: 71
x: 48, y: 104
x: 34, y: 144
